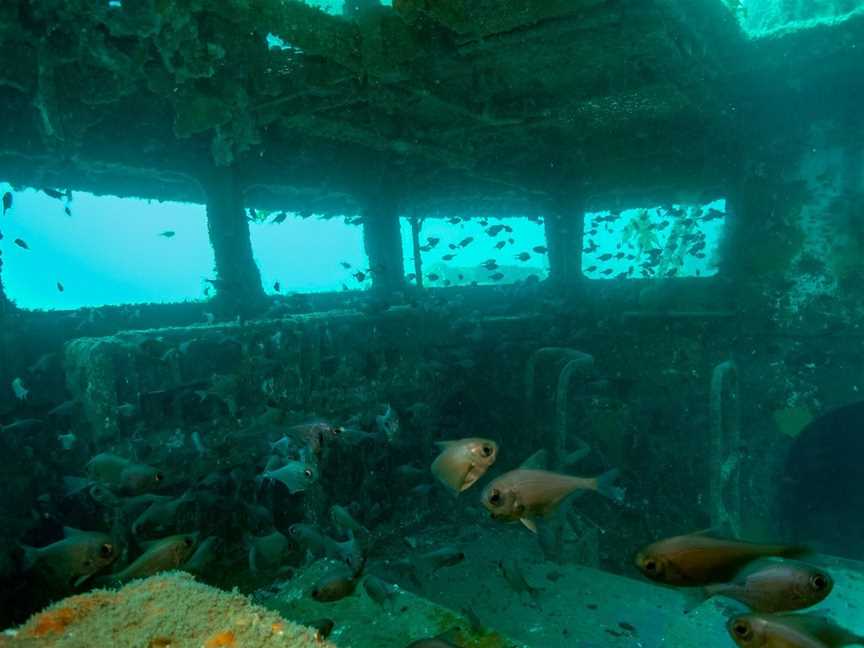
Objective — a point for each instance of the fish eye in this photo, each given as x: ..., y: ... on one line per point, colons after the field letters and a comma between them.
x: 495, y: 497
x: 293, y: 530
x: 486, y: 450
x: 188, y: 541
x: 106, y: 551
x: 159, y: 476
x: 650, y: 566
x: 819, y: 582
x: 338, y: 430
x: 309, y: 474
x: 741, y: 630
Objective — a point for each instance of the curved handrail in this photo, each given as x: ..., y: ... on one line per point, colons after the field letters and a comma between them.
x: 578, y: 364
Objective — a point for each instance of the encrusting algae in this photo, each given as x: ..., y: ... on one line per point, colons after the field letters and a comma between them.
x: 169, y: 610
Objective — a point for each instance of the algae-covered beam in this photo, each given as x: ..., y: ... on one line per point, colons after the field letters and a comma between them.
x: 382, y: 239
x: 238, y: 282
x: 314, y: 32
x: 565, y: 224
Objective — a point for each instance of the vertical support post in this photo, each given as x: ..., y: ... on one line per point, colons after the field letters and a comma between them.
x: 416, y: 224
x: 4, y: 302
x: 383, y: 242
x: 565, y: 224
x: 239, y: 289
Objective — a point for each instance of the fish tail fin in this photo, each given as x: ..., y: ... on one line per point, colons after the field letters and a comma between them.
x: 358, y: 573
x: 29, y: 558
x: 606, y: 485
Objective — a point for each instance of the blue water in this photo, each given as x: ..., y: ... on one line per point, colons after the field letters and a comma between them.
x: 109, y: 250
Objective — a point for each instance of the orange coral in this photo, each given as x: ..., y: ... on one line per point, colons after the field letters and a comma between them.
x: 53, y: 621
x: 222, y: 640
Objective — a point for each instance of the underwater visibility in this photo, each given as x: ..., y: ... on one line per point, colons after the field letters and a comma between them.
x: 431, y: 323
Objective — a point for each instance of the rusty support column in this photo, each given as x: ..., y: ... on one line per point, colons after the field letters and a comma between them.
x: 565, y: 224
x: 382, y: 239
x: 238, y: 285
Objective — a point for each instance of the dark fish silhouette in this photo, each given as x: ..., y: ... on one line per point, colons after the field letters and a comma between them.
x: 7, y: 201
x: 167, y: 234
x: 21, y: 243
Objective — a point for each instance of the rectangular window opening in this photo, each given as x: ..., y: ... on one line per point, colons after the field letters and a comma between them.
x: 664, y: 242
x: 308, y: 253
x: 476, y: 251
x: 67, y: 251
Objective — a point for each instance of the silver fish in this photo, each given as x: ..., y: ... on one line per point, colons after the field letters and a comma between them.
x: 296, y: 475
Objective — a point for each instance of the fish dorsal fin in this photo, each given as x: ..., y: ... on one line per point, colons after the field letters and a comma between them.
x: 537, y: 461
x: 69, y: 532
x: 530, y: 524
x: 443, y: 445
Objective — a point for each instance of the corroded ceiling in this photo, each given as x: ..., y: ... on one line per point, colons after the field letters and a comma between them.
x: 452, y: 104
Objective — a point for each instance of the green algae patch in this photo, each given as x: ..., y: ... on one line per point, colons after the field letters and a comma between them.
x: 166, y: 611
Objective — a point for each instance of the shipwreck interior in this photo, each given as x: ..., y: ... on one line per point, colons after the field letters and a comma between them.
x: 713, y: 391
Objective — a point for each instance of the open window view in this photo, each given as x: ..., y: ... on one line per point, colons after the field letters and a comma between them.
x: 68, y: 250
x: 465, y: 251
x: 661, y: 242
x: 300, y: 254
x: 431, y: 324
